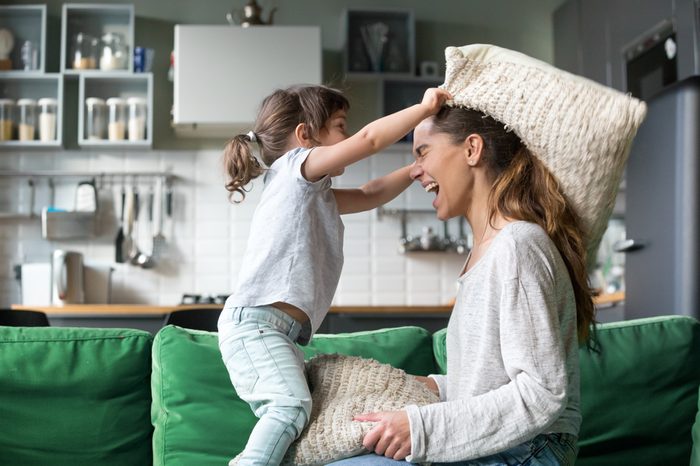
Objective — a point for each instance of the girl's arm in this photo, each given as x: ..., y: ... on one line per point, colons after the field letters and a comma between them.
x: 372, y: 138
x: 373, y: 193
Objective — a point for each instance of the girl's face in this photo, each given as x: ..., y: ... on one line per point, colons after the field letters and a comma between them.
x: 441, y: 167
x: 335, y: 129
x: 334, y: 132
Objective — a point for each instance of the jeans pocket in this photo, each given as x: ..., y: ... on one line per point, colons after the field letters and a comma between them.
x: 240, y: 367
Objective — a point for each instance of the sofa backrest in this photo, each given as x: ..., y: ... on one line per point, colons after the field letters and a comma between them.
x: 71, y: 396
x: 197, y: 416
x: 639, y: 392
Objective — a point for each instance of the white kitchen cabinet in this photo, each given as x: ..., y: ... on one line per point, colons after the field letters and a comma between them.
x: 222, y: 73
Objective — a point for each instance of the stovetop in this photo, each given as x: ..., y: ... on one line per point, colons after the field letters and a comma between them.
x: 192, y: 298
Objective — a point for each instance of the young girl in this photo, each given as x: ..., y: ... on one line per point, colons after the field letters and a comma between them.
x: 294, y: 256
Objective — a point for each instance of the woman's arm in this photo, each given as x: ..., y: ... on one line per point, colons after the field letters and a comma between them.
x: 373, y: 193
x: 372, y: 138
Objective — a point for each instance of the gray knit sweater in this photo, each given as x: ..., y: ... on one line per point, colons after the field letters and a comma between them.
x: 512, y: 354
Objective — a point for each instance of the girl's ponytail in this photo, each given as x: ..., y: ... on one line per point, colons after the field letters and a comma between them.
x: 241, y: 166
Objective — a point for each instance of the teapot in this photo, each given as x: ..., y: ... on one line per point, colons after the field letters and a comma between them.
x: 250, y: 15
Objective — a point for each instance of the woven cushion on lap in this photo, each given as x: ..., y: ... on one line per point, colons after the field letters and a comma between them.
x: 341, y: 387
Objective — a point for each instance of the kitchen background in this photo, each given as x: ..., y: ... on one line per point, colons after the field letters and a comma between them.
x: 206, y: 235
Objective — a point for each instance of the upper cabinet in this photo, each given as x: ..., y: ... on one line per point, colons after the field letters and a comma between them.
x: 115, y: 105
x: 379, y: 42
x: 222, y: 73
x: 97, y: 38
x: 22, y: 39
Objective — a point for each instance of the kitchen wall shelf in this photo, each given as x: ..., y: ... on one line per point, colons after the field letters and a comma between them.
x: 27, y: 23
x: 429, y: 241
x: 96, y: 20
x: 35, y: 86
x: 379, y: 42
x: 121, y: 85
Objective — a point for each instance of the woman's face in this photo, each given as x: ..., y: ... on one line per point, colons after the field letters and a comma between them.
x: 441, y: 168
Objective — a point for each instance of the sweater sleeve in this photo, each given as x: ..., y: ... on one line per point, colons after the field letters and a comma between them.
x: 534, y: 359
x: 441, y: 382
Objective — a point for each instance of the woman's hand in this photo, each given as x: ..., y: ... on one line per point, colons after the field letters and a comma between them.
x: 391, y: 436
x: 434, y: 98
x: 430, y: 383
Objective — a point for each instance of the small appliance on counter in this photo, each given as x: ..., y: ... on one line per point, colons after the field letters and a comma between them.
x: 67, y: 285
x: 67, y: 279
x: 191, y: 298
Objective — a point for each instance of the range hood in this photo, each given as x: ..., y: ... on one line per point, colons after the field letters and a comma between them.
x: 222, y: 73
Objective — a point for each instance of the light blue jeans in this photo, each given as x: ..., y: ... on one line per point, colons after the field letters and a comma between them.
x: 267, y: 371
x: 543, y: 450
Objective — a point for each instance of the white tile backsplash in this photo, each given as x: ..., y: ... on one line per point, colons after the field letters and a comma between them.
x: 206, y: 236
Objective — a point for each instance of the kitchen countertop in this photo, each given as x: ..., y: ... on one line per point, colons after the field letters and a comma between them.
x: 147, y: 310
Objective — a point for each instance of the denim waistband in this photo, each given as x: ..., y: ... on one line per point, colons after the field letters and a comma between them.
x: 282, y: 321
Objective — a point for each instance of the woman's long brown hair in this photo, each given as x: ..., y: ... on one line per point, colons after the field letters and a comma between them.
x: 524, y: 189
x: 279, y: 115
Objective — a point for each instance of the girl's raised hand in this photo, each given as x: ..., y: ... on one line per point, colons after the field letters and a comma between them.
x: 434, y: 98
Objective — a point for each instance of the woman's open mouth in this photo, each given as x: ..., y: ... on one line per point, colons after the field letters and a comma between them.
x: 432, y: 187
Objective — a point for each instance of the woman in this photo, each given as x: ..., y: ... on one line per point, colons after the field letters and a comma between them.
x: 511, y: 393
x: 513, y: 385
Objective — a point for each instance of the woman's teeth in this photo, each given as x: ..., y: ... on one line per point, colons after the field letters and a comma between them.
x: 432, y: 187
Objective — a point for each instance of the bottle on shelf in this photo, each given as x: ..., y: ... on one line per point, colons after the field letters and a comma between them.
x: 27, y: 119
x: 7, y: 110
x: 114, y: 52
x: 95, y: 121
x: 85, y: 48
x: 137, y: 118
x: 48, y: 115
x: 116, y: 129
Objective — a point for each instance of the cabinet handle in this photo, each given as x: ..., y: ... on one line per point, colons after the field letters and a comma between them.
x: 628, y: 245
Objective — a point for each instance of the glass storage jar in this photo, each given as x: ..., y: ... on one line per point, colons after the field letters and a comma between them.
x: 95, y: 118
x: 48, y: 116
x: 116, y: 129
x: 114, y: 52
x: 27, y: 119
x: 137, y: 118
x: 85, y: 50
x: 7, y: 115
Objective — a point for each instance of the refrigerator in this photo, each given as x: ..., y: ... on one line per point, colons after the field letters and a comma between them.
x: 662, y: 216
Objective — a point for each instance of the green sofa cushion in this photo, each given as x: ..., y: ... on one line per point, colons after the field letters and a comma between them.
x: 197, y: 417
x: 639, y: 394
x: 74, y: 396
x: 407, y: 348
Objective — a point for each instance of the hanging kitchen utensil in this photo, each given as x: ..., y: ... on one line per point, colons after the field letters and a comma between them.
x: 146, y: 260
x: 119, y: 240
x: 128, y: 225
x: 158, y: 237
x: 134, y: 252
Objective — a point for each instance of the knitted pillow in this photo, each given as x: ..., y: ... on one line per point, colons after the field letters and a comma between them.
x: 341, y: 387
x: 581, y: 130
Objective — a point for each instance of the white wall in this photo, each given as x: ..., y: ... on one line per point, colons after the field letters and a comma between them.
x: 207, y: 235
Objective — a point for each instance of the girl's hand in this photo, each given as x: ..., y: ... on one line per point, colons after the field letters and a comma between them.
x: 434, y: 98
x: 430, y: 383
x: 391, y: 436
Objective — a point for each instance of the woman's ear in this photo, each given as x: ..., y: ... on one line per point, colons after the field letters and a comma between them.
x: 473, y: 148
x: 301, y: 134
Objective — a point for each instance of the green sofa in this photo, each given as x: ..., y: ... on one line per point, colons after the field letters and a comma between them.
x: 83, y: 396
